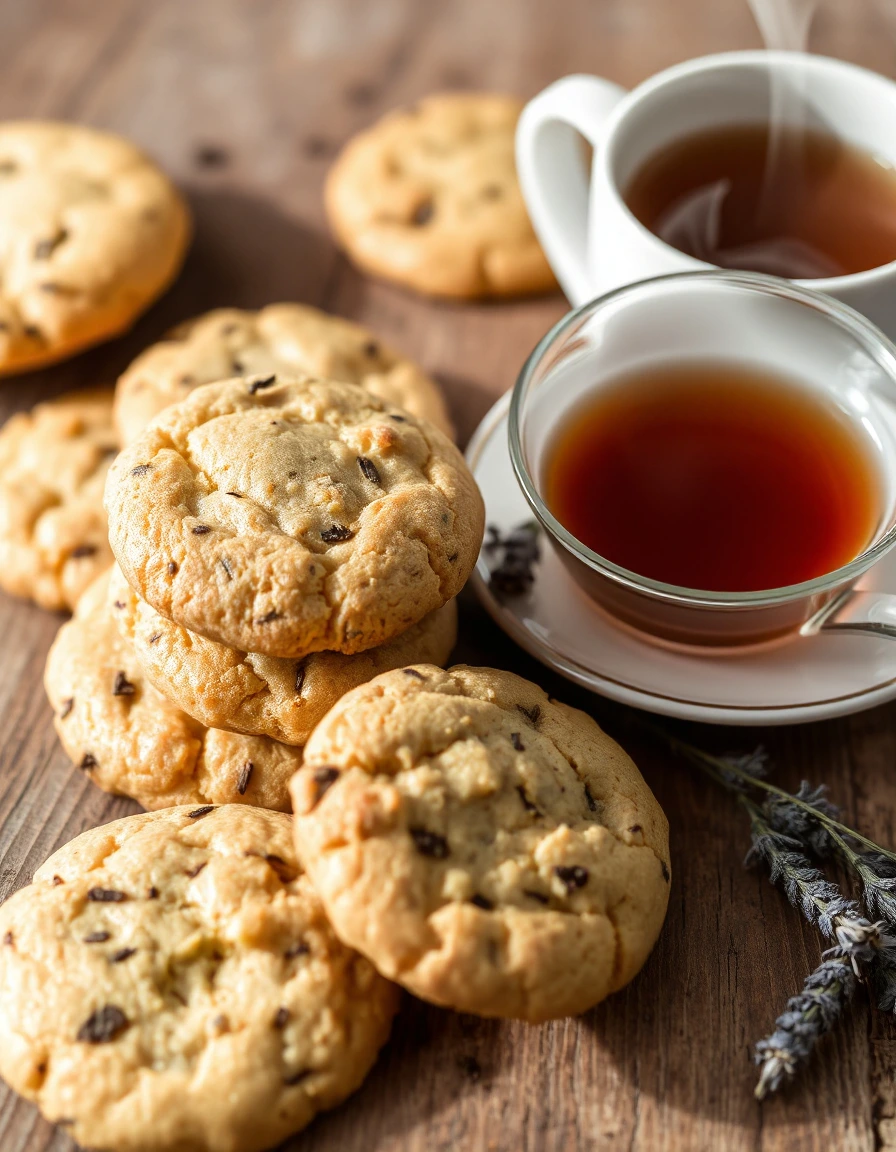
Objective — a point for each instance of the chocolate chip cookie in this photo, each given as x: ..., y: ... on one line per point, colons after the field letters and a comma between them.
x: 429, y: 197
x: 263, y: 695
x: 293, y: 516
x: 170, y: 981
x: 91, y: 232
x: 485, y: 846
x: 287, y: 338
x: 131, y: 740
x: 53, y: 465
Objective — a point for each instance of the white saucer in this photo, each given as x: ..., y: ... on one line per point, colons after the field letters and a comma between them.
x: 805, y: 678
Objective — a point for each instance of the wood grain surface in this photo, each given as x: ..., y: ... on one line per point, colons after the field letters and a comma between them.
x: 277, y: 87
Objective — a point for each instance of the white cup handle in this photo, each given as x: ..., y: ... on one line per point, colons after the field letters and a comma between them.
x: 552, y: 176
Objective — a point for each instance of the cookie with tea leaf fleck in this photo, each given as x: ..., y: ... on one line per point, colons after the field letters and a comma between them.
x: 53, y: 465
x: 91, y: 232
x: 287, y: 517
x: 281, y: 338
x: 264, y: 695
x: 428, y: 197
x: 487, y: 847
x: 170, y: 981
x: 129, y: 739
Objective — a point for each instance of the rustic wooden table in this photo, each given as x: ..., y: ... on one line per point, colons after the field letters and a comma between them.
x: 275, y: 87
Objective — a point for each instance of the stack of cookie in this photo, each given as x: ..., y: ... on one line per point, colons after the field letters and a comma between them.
x: 290, y: 522
x: 280, y: 542
x: 288, y: 549
x: 148, y: 710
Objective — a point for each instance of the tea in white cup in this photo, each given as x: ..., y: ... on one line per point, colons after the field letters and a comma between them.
x: 608, y: 230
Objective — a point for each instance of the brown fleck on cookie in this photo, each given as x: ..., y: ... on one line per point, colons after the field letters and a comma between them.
x: 53, y: 465
x: 130, y: 740
x: 170, y: 981
x: 264, y: 695
x: 428, y: 197
x: 290, y: 339
x: 293, y: 516
x: 485, y: 846
x: 91, y: 232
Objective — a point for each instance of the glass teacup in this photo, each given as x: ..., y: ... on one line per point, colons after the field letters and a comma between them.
x: 756, y: 321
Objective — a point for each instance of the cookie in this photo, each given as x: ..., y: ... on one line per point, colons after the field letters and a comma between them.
x: 264, y: 695
x: 170, y: 982
x: 429, y: 198
x: 287, y: 338
x: 293, y: 516
x: 53, y: 465
x: 487, y: 847
x: 91, y: 232
x: 130, y: 740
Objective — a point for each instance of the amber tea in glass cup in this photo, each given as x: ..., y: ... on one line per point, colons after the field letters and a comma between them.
x: 713, y: 455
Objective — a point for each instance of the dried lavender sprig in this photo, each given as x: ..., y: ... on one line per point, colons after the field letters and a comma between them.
x: 779, y: 831
x: 815, y: 1010
x: 789, y: 815
x: 859, y: 943
x: 820, y: 901
x: 878, y: 883
x: 876, y: 872
x: 802, y: 823
x: 731, y: 772
x: 804, y: 1021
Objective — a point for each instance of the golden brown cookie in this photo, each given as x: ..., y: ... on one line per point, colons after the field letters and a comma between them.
x: 130, y: 740
x: 293, y: 516
x: 91, y: 232
x: 263, y: 695
x: 53, y: 465
x: 170, y: 982
x: 485, y: 846
x: 428, y: 197
x: 291, y: 339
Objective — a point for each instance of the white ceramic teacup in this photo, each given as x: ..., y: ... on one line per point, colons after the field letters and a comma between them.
x: 593, y: 241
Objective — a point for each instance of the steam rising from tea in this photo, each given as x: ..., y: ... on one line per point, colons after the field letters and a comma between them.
x: 784, y: 197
